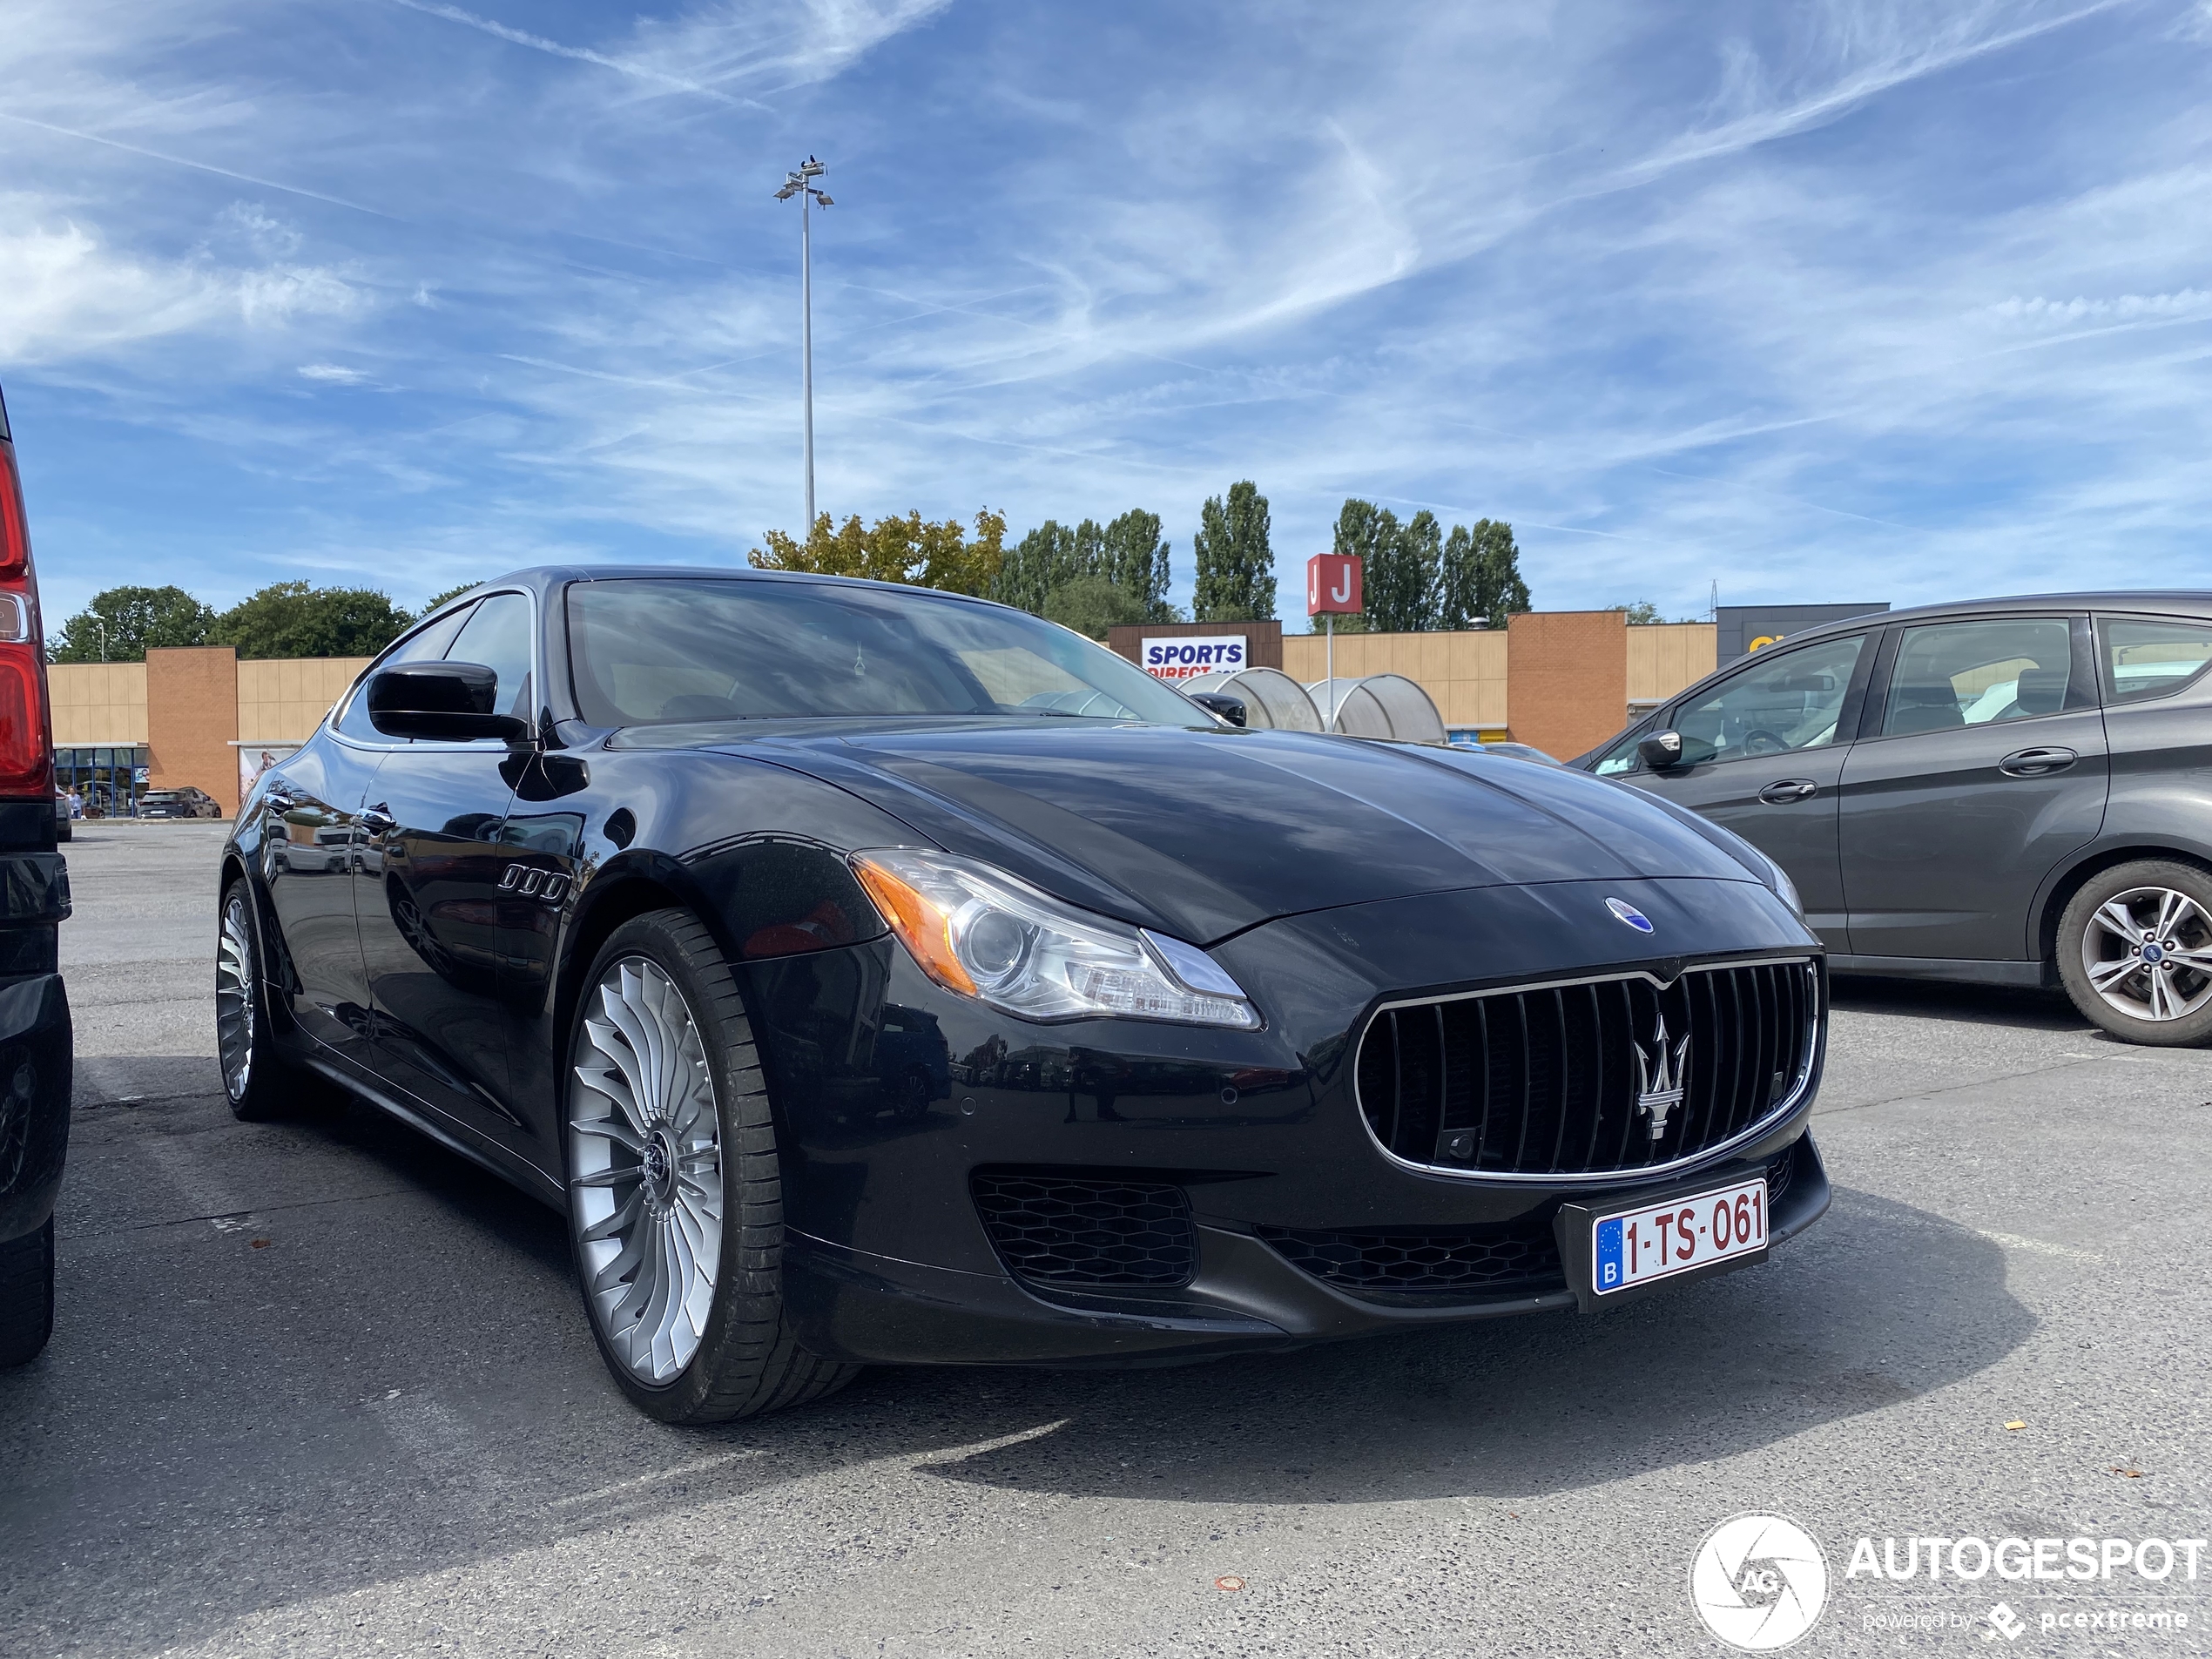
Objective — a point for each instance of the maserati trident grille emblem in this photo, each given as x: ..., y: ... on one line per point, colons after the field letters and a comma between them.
x: 1660, y: 1072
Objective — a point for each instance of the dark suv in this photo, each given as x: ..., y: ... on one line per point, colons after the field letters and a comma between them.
x: 35, y: 1046
x: 2016, y: 792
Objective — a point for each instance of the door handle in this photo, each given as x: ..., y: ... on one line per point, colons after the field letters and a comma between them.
x: 2036, y: 763
x: 278, y: 797
x: 1785, y: 790
x: 378, y: 819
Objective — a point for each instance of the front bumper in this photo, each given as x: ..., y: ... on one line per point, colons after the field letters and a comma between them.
x: 1257, y: 1134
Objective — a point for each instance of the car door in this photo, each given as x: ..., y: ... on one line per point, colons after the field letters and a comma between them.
x: 426, y: 898
x: 1764, y: 750
x: 310, y: 809
x: 312, y: 840
x: 1982, y: 764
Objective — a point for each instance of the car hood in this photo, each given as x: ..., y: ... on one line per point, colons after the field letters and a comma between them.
x: 1204, y: 833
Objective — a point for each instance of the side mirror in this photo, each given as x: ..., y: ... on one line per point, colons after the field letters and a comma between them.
x: 1231, y: 709
x: 442, y: 701
x: 1662, y: 750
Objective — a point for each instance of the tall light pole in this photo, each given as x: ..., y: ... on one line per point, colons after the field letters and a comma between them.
x: 800, y: 183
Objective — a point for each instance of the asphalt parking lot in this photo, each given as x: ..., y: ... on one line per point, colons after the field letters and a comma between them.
x: 319, y: 1387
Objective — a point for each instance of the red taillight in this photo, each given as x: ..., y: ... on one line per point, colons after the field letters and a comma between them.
x: 26, y: 729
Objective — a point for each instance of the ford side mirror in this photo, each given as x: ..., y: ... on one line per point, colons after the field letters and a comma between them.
x: 1231, y: 709
x: 1662, y: 750
x: 451, y: 702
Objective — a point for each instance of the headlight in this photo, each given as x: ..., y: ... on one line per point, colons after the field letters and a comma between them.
x: 978, y: 931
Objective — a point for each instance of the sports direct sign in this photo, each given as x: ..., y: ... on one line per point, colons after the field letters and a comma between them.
x: 1196, y: 654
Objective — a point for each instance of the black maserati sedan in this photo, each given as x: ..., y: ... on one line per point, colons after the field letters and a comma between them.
x: 874, y: 975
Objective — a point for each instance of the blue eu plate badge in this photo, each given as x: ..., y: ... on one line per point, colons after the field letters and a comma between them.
x: 1608, y: 1255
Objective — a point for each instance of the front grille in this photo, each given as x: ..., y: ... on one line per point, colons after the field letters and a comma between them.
x: 1085, y: 1233
x: 1521, y: 1259
x: 1485, y: 1263
x: 1569, y: 1079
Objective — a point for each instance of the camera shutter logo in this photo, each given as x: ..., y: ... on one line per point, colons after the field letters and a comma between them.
x: 1759, y: 1583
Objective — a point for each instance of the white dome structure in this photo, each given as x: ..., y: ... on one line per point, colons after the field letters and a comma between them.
x: 1272, y: 699
x: 1379, y: 705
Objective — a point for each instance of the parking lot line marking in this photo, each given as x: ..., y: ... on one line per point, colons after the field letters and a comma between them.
x: 600, y: 1494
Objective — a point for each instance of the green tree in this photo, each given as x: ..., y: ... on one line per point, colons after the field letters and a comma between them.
x: 911, y: 550
x: 1236, y: 565
x: 1041, y: 561
x: 1640, y: 612
x: 1399, y: 583
x: 437, y: 599
x: 1500, y: 592
x: 291, y: 619
x: 127, y: 620
x: 1136, y: 562
x: 1091, y: 604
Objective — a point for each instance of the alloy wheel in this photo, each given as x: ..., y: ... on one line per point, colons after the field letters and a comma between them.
x: 234, y: 996
x: 2147, y: 953
x: 645, y: 1161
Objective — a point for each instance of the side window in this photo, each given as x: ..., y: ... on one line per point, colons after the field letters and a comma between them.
x: 2145, y: 659
x: 1977, y: 673
x: 498, y: 635
x: 1621, y: 758
x: 424, y: 647
x: 1788, y: 702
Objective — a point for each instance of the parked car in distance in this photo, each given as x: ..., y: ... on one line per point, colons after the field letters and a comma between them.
x: 186, y: 802
x: 874, y: 975
x: 61, y: 815
x: 36, y: 1044
x: 2012, y: 791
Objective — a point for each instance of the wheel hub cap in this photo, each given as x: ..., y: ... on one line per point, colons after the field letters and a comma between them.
x: 2147, y: 953
x: 645, y: 1156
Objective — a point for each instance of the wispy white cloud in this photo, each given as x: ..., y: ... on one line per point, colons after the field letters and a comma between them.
x: 1860, y: 295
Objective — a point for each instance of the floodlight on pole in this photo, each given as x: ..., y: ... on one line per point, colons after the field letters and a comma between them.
x: 800, y: 182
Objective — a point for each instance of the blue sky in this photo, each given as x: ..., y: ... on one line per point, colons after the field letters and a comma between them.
x: 1823, y: 301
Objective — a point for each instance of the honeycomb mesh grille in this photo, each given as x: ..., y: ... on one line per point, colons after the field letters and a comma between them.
x: 1488, y: 1264
x: 1086, y: 1233
x: 1521, y: 1261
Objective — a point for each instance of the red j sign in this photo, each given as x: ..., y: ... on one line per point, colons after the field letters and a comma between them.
x: 1332, y: 583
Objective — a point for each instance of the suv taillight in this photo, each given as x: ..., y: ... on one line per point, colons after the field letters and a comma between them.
x: 26, y: 728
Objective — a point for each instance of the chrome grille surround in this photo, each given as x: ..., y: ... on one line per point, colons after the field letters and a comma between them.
x: 1589, y: 1087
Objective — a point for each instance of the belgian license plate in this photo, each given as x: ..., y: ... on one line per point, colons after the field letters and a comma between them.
x: 1633, y: 1247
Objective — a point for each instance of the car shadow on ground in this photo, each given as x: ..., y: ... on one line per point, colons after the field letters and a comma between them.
x: 1995, y: 1005
x: 403, y: 1382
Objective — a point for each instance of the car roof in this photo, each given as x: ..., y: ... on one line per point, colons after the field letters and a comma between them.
x: 2185, y: 600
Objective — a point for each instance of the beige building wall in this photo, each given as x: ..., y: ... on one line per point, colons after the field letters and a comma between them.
x: 1665, y: 657
x: 1463, y: 673
x: 97, y: 702
x: 284, y: 701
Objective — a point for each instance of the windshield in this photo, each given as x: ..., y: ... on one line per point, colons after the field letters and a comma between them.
x: 655, y: 651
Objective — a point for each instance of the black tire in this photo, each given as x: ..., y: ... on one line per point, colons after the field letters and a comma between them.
x: 61, y: 830
x: 270, y: 1085
x: 749, y: 1360
x: 2082, y: 938
x: 26, y: 1295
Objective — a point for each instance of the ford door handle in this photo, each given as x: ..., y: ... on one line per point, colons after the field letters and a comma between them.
x: 2036, y: 763
x: 279, y: 800
x: 1785, y: 791
x: 378, y: 819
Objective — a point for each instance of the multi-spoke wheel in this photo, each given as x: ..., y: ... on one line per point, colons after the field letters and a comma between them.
x: 2135, y: 952
x: 258, y: 1083
x: 675, y: 1196
x: 645, y: 1161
